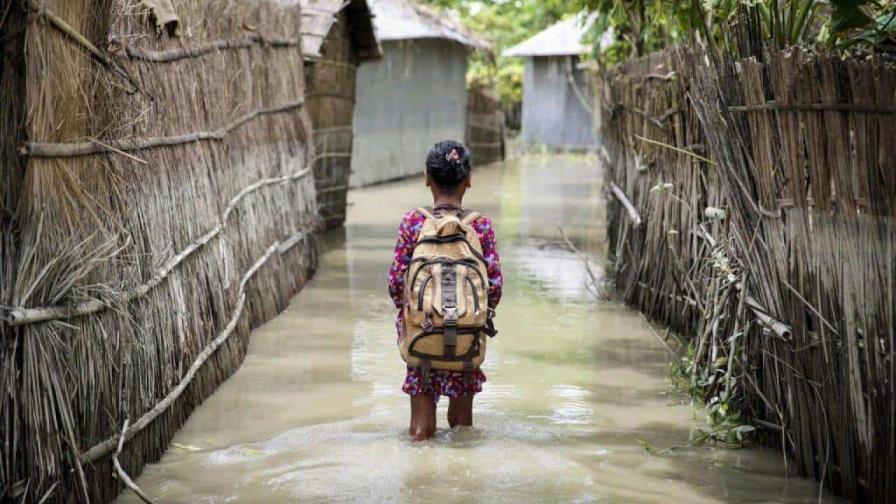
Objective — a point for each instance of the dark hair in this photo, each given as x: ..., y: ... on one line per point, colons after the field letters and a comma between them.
x: 448, y: 163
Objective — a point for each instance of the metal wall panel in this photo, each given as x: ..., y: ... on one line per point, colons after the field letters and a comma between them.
x: 413, y: 97
x: 553, y: 114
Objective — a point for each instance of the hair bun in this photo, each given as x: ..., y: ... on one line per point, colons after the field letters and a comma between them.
x: 448, y: 163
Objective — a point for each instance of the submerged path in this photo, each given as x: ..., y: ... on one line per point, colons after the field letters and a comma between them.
x: 575, y: 387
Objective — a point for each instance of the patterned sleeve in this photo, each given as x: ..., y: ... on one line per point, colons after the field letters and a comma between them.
x: 486, y: 231
x: 408, y: 231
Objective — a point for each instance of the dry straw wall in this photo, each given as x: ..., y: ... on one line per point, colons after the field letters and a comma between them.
x: 157, y: 204
x: 485, y: 124
x: 753, y: 212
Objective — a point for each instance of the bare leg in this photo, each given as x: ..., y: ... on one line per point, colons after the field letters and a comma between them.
x: 460, y: 411
x: 423, y: 417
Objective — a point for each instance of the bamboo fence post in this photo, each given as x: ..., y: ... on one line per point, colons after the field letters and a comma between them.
x: 105, y: 447
x: 122, y: 475
x: 632, y: 211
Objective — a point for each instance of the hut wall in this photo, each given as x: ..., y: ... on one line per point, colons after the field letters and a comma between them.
x: 164, y: 209
x: 768, y: 240
x: 555, y: 113
x: 331, y: 105
x: 413, y: 97
x: 485, y: 125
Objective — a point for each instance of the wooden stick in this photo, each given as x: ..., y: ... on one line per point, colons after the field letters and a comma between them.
x: 594, y: 280
x: 105, y: 447
x: 45, y: 149
x: 632, y: 211
x: 842, y: 107
x: 291, y: 242
x: 657, y: 336
x: 21, y: 316
x: 170, y: 55
x: 781, y: 329
x: 103, y: 58
x: 122, y: 475
x: 676, y: 149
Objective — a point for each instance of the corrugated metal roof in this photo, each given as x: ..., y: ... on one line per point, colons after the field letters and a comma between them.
x: 406, y: 19
x: 318, y: 16
x: 560, y: 39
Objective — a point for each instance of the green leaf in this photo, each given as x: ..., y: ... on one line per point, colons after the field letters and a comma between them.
x: 849, y: 15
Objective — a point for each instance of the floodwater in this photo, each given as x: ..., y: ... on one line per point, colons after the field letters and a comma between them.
x: 575, y: 388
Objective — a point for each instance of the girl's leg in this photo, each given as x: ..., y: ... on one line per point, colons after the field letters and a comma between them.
x: 460, y: 410
x: 423, y: 417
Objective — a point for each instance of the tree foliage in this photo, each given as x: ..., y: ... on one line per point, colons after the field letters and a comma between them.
x: 505, y: 23
x: 643, y: 26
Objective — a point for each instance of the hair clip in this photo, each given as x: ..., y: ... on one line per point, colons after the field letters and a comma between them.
x: 452, y: 156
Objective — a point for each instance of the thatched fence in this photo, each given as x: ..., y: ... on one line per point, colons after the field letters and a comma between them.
x: 752, y: 211
x: 157, y: 204
x: 331, y: 103
x: 485, y: 124
x: 331, y: 80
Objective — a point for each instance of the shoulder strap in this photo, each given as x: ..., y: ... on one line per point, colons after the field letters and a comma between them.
x: 426, y: 213
x: 470, y: 217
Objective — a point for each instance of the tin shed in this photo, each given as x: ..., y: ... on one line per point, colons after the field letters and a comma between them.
x: 414, y: 96
x: 557, y: 95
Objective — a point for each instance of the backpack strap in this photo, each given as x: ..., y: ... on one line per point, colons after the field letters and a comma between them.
x: 426, y: 212
x: 470, y: 217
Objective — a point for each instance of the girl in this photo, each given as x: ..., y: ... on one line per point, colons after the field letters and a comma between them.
x: 448, y: 175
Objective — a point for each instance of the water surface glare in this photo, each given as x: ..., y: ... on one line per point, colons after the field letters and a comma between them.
x: 575, y: 387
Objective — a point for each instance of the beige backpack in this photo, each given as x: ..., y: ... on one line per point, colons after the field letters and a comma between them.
x: 446, y: 309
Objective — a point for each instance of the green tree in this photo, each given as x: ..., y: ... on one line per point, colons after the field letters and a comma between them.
x: 505, y: 23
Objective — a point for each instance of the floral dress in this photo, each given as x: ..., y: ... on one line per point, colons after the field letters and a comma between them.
x: 441, y: 382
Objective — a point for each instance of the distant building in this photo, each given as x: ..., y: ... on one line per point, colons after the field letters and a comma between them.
x: 414, y: 96
x: 337, y: 36
x: 558, y: 99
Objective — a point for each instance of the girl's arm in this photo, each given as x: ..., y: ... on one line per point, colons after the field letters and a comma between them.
x: 408, y: 231
x: 489, y: 244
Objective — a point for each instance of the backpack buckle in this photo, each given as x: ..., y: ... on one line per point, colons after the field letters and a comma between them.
x: 451, y: 316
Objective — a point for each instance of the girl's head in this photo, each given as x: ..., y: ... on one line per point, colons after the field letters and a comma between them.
x: 448, y: 168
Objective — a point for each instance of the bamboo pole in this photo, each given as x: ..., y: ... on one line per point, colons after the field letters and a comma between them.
x: 122, y: 475
x: 105, y: 447
x: 251, y: 40
x: 843, y: 107
x: 55, y: 149
x: 632, y: 211
x: 21, y: 316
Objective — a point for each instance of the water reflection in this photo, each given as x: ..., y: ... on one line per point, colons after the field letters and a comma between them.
x: 575, y: 387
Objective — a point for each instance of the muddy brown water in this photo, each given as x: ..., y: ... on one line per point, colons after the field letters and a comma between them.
x: 575, y: 387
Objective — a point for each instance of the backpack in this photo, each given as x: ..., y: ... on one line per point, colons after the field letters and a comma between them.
x: 446, y: 309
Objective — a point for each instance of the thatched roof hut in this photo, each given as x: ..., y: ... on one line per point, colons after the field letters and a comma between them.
x: 333, y: 47
x: 157, y: 202
x: 415, y: 95
x: 558, y: 98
